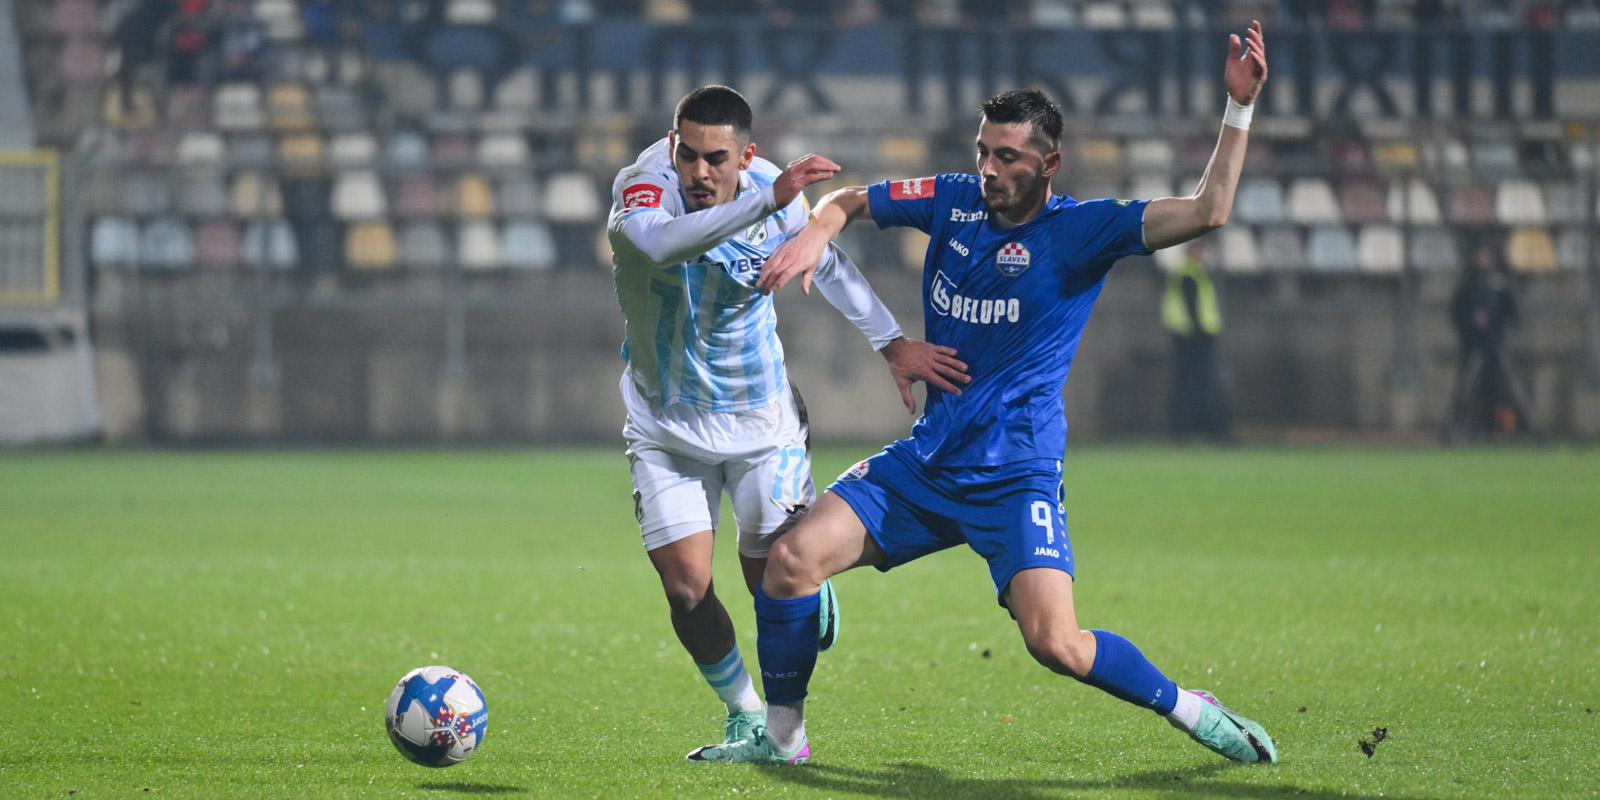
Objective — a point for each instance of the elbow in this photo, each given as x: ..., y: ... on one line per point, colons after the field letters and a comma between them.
x: 1214, y: 217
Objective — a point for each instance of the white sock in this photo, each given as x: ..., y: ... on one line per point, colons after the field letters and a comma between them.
x: 1186, y: 714
x: 732, y: 683
x: 786, y: 724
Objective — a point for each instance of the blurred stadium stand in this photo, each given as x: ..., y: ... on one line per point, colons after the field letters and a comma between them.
x: 384, y: 219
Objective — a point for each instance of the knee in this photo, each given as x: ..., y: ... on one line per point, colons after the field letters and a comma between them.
x: 685, y: 594
x: 1069, y: 652
x: 788, y: 573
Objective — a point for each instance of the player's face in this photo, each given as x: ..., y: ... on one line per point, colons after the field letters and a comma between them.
x: 708, y: 158
x: 1016, y: 173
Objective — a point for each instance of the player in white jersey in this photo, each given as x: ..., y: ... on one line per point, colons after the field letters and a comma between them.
x: 710, y: 406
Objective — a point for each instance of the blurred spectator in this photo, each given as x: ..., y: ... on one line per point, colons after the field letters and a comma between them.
x: 187, y: 42
x: 1193, y: 318
x: 135, y: 36
x: 240, y: 39
x: 1489, y: 397
x: 329, y: 26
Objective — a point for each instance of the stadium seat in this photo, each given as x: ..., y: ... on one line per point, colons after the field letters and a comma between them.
x: 1453, y: 155
x: 114, y: 242
x: 139, y: 113
x: 1531, y: 250
x: 517, y: 93
x: 146, y: 193
x: 352, y: 150
x: 1098, y: 153
x: 254, y: 195
x: 1311, y: 202
x: 423, y: 245
x: 216, y: 244
x: 1434, y: 249
x: 409, y: 91
x: 166, y: 244
x: 1469, y: 204
x: 270, y: 244
x: 1150, y: 155
x: 102, y: 191
x: 464, y: 89
x: 473, y: 197
x: 470, y: 12
x: 281, y: 18
x: 1381, y: 249
x: 300, y: 151
x: 1494, y: 159
x: 451, y: 150
x: 527, y: 244
x: 237, y: 107
x: 1104, y: 15
x: 339, y: 108
x: 358, y: 195
x: 502, y: 150
x: 202, y: 194
x: 1158, y: 15
x: 75, y: 18
x: 901, y: 151
x: 1564, y: 202
x: 418, y: 197
x: 571, y: 197
x: 406, y: 150
x: 83, y: 60
x: 1397, y: 157
x: 1237, y: 246
x: 1259, y: 200
x: 250, y: 150
x: 1331, y: 248
x: 187, y: 109
x: 518, y: 196
x: 1361, y: 201
x: 1281, y: 249
x: 1148, y: 187
x: 1412, y: 201
x: 200, y: 148
x: 1570, y: 245
x: 1518, y: 201
x: 370, y: 246
x: 289, y: 108
x: 477, y: 245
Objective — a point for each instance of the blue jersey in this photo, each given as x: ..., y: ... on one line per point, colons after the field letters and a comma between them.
x: 1013, y: 302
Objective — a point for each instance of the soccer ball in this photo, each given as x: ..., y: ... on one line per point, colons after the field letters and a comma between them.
x: 437, y: 716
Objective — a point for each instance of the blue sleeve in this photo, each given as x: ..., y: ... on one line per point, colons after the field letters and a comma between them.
x: 912, y: 203
x: 1109, y: 230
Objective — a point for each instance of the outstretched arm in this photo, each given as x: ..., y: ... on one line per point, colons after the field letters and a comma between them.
x: 800, y: 255
x: 1175, y: 220
x: 910, y: 360
x: 666, y: 240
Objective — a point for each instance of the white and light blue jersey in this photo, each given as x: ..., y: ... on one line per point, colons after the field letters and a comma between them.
x: 698, y: 331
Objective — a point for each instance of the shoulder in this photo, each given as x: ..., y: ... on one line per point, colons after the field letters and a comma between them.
x: 649, y: 182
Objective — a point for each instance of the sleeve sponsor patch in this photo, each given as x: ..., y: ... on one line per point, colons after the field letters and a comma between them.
x: 641, y: 195
x: 912, y: 189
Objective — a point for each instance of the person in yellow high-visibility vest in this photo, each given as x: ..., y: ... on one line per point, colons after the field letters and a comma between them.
x: 1190, y: 312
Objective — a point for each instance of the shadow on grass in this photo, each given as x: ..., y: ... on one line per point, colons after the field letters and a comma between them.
x: 919, y: 780
x: 470, y: 788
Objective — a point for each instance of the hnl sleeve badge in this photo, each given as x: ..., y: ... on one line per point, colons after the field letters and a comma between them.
x: 1013, y: 259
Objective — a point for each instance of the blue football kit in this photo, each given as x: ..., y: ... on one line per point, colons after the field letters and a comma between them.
x: 984, y: 468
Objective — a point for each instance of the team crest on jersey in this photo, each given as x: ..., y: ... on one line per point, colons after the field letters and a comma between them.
x: 913, y: 189
x: 641, y: 195
x: 756, y: 234
x: 1013, y: 259
x: 856, y: 472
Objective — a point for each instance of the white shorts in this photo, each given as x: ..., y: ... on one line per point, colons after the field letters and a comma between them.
x: 683, y: 458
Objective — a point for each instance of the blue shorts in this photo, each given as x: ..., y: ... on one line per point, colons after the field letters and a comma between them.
x: 1014, y: 515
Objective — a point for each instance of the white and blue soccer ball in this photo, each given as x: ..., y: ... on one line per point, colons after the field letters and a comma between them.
x: 437, y: 716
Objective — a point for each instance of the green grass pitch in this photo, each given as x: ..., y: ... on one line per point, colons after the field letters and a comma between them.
x: 228, y: 624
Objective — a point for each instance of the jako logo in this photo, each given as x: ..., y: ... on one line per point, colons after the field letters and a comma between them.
x: 1047, y: 551
x: 766, y: 674
x: 959, y: 247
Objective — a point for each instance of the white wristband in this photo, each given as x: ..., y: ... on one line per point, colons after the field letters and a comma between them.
x: 1238, y: 116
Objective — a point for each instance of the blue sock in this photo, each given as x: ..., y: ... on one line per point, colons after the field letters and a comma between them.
x: 1123, y: 672
x: 786, y: 641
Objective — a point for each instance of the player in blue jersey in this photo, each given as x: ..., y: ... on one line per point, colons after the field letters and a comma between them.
x: 1011, y: 274
x: 710, y: 406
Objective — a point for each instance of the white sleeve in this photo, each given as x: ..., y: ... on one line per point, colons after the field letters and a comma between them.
x: 843, y: 286
x: 665, y: 240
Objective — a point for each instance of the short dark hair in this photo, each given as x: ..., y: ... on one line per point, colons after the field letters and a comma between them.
x: 714, y: 105
x: 1027, y: 105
